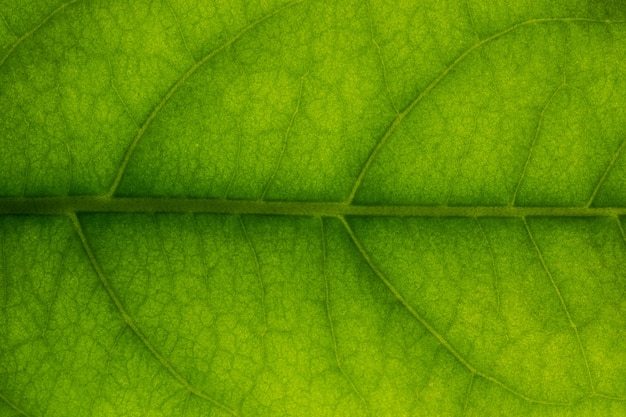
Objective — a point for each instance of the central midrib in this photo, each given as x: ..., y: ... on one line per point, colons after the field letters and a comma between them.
x: 82, y: 204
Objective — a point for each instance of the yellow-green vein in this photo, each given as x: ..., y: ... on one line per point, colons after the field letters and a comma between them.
x: 557, y: 290
x: 13, y: 405
x: 605, y: 174
x: 529, y: 154
x: 424, y: 93
x: 176, y: 86
x: 331, y: 325
x: 133, y: 325
x: 257, y: 272
x: 440, y: 338
x: 28, y: 34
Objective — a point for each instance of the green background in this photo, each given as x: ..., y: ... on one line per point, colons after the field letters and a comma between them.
x: 215, y: 307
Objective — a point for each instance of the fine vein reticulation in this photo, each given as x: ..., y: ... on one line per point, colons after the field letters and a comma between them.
x: 434, y: 332
x: 108, y: 203
x: 13, y: 405
x: 329, y: 315
x: 564, y: 306
x: 176, y: 86
x: 606, y: 172
x: 529, y: 155
x: 30, y: 33
x: 424, y: 93
x: 133, y: 325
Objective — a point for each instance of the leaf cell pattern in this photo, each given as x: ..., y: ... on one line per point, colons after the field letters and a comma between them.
x: 292, y: 228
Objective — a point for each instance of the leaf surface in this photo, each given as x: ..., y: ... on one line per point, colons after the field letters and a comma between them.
x: 312, y: 208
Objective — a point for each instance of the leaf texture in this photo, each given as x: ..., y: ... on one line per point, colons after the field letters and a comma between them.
x: 312, y: 208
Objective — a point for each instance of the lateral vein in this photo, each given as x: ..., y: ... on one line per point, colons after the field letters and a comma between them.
x: 12, y: 405
x: 28, y: 34
x: 557, y: 290
x: 399, y: 118
x: 331, y: 325
x: 174, y: 89
x: 434, y: 332
x: 133, y: 324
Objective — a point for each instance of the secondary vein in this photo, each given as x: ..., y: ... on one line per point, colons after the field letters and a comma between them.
x: 133, y: 325
x: 176, y: 86
x: 564, y: 306
x: 399, y: 118
x: 331, y: 325
x: 434, y: 332
x: 28, y: 34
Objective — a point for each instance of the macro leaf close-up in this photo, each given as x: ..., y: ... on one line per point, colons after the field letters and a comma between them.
x: 312, y: 208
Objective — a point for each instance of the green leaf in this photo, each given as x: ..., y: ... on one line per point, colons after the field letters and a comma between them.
x: 340, y: 208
